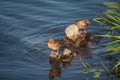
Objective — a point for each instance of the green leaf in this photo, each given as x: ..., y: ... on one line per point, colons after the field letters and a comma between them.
x: 117, y: 64
x: 109, y: 36
x: 112, y: 5
x: 97, y: 74
x: 98, y: 20
x: 114, y: 48
x: 113, y: 42
x: 84, y: 71
x: 113, y: 53
x: 111, y: 20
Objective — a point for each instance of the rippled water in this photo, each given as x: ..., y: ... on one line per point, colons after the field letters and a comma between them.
x: 25, y: 26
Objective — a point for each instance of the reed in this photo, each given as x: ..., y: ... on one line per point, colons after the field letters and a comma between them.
x: 111, y: 20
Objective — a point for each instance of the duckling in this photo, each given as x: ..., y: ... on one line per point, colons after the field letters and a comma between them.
x: 72, y: 31
x: 54, y: 44
x: 82, y: 24
x: 81, y: 41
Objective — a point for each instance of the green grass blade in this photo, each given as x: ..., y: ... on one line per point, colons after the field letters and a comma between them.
x: 113, y: 42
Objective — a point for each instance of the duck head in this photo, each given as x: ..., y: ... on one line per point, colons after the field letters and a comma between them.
x: 82, y: 24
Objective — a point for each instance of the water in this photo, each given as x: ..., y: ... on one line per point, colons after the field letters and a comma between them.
x: 25, y: 26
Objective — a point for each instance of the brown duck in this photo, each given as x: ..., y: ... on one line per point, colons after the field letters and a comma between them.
x: 82, y: 24
x: 54, y: 44
x: 73, y: 30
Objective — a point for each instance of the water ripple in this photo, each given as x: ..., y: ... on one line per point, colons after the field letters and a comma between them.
x: 25, y: 27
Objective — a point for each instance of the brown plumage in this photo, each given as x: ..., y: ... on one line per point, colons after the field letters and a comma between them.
x: 81, y: 41
x: 72, y: 31
x: 54, y: 44
x: 82, y: 24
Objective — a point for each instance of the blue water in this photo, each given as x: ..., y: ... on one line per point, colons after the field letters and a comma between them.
x: 25, y: 26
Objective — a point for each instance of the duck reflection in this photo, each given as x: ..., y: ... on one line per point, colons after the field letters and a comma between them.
x: 56, y: 69
x: 66, y: 58
x: 71, y: 50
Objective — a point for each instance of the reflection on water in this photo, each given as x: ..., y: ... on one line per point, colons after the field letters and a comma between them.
x: 56, y: 69
x: 69, y: 53
x: 25, y: 26
x: 65, y: 62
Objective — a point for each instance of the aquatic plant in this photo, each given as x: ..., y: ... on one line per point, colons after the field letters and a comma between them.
x: 96, y: 72
x: 111, y: 20
x: 117, y: 68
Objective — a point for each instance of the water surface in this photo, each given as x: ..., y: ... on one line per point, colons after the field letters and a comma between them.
x: 25, y: 26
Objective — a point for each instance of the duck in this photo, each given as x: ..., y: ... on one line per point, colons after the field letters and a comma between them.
x: 81, y: 41
x: 82, y: 24
x: 54, y: 44
x: 73, y: 30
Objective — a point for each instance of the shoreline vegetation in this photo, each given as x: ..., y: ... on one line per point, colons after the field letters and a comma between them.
x: 110, y: 19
